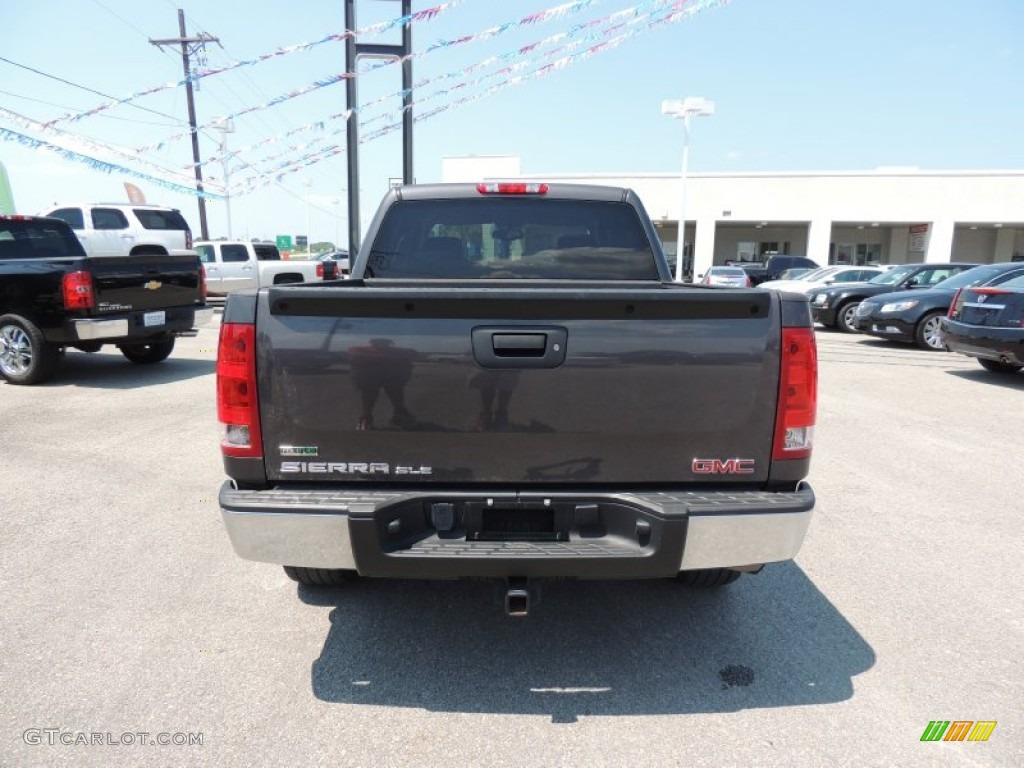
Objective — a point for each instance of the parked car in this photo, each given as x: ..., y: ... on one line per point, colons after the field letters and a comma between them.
x: 341, y: 260
x: 733, y: 277
x: 987, y: 323
x: 116, y: 229
x: 233, y: 265
x: 796, y: 272
x: 915, y: 316
x: 824, y: 277
x: 836, y: 306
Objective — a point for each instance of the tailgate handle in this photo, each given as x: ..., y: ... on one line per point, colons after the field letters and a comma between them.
x: 519, y: 344
x: 519, y: 347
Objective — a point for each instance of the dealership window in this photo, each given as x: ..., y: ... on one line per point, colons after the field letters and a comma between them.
x: 856, y: 254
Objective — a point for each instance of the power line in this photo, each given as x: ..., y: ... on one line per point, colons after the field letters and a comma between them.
x: 109, y: 117
x: 84, y: 88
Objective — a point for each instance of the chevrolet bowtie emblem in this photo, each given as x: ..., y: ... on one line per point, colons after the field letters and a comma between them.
x: 152, y: 285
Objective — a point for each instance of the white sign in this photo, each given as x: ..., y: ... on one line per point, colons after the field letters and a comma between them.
x: 918, y: 238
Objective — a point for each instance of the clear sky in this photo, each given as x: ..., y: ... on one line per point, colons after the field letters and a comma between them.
x: 797, y: 85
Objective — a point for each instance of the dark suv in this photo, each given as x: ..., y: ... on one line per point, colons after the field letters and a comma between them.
x: 776, y: 265
x: 837, y: 306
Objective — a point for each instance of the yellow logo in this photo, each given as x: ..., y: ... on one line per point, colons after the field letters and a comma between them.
x: 152, y: 285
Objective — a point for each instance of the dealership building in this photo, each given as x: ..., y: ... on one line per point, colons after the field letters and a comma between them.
x: 885, y: 216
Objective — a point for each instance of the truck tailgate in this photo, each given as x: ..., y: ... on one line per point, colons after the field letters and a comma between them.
x: 505, y: 386
x: 125, y: 283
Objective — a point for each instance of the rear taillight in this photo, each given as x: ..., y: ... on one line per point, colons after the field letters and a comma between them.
x: 78, y: 290
x: 188, y: 239
x: 954, y: 306
x: 320, y: 269
x: 504, y: 188
x: 798, y: 395
x: 237, y: 401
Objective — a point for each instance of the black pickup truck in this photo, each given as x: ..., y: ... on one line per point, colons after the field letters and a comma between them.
x: 53, y: 296
x: 510, y: 387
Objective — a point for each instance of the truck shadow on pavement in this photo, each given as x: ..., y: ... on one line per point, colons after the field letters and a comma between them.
x: 588, y: 648
x: 112, y: 371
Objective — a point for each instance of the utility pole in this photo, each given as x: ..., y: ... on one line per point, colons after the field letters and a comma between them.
x: 354, y: 51
x: 189, y: 45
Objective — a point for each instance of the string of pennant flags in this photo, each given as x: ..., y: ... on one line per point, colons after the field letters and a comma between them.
x: 101, y: 165
x: 374, y: 29
x: 628, y: 16
x: 522, y: 64
x: 678, y: 11
x: 80, y: 146
x: 321, y: 124
x: 531, y: 19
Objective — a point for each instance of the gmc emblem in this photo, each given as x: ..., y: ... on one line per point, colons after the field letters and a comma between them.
x: 719, y: 467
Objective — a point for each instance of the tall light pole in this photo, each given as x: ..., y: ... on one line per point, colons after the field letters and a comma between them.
x: 225, y: 126
x: 308, y: 184
x: 337, y: 222
x: 692, y: 105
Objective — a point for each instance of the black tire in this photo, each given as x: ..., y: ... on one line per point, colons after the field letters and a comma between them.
x: 998, y: 366
x: 318, y: 577
x: 845, y: 317
x: 927, y: 334
x: 147, y: 354
x: 25, y: 356
x: 707, y: 578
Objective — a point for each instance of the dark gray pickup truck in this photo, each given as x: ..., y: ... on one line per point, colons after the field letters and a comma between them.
x: 511, y: 387
x: 53, y: 296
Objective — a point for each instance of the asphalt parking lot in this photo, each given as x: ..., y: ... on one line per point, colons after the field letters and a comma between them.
x: 126, y: 611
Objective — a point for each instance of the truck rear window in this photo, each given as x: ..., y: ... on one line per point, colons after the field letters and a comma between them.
x: 514, y: 238
x: 37, y: 238
x: 151, y: 219
x: 267, y: 252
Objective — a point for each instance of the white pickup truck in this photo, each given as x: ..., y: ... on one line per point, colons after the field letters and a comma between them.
x: 233, y: 265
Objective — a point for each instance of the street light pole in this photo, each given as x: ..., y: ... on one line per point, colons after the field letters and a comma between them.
x: 693, y: 105
x: 337, y: 223
x: 226, y: 126
x: 308, y: 184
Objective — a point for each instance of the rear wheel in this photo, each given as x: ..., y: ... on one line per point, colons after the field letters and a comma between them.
x: 318, y: 577
x: 998, y: 366
x: 846, y: 316
x: 708, y: 577
x: 928, y: 333
x: 25, y: 356
x: 147, y: 354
